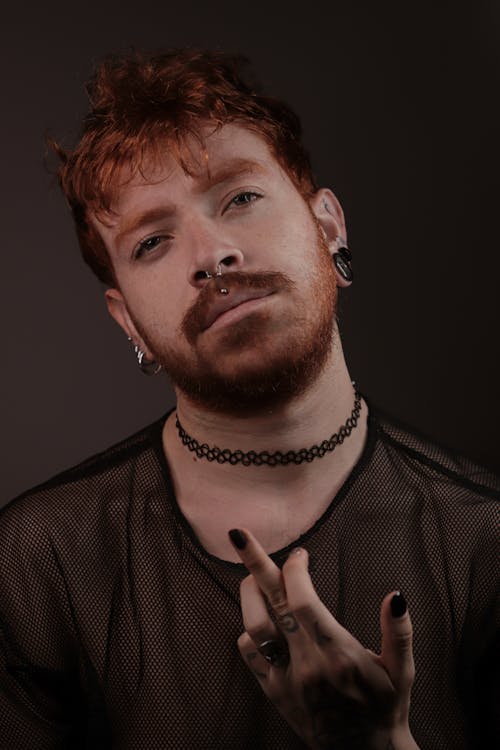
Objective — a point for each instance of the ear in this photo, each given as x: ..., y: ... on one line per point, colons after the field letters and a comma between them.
x: 117, y: 308
x: 328, y: 211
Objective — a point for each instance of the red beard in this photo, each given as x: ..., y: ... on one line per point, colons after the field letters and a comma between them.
x: 219, y: 377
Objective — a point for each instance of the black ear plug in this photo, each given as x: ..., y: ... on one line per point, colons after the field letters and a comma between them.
x: 342, y: 264
x: 345, y: 253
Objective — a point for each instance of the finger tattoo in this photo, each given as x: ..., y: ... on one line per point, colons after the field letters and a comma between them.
x: 288, y: 622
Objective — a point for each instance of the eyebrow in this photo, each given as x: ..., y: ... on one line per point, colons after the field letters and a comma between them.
x: 229, y: 171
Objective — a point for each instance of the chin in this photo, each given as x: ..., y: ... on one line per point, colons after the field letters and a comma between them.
x: 255, y: 379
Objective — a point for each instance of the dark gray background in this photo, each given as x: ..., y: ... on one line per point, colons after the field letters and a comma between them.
x: 399, y: 103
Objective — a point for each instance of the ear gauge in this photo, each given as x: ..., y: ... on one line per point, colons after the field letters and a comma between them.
x: 342, y: 259
x: 147, y: 366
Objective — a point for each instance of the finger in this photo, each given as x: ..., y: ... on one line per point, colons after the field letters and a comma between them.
x: 258, y: 624
x: 303, y: 600
x: 264, y: 570
x: 397, y: 639
x: 254, y: 661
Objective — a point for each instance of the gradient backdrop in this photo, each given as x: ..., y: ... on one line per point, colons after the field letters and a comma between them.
x: 399, y: 103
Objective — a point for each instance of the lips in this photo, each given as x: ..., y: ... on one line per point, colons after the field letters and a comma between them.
x: 223, y: 303
x: 243, y: 287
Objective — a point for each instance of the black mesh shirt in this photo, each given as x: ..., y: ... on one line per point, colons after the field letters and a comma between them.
x: 118, y: 630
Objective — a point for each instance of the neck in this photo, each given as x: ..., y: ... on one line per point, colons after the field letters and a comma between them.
x: 274, y: 502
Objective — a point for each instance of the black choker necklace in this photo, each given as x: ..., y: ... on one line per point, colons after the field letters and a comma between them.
x: 272, y: 459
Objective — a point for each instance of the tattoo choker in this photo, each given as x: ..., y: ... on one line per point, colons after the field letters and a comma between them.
x: 264, y: 458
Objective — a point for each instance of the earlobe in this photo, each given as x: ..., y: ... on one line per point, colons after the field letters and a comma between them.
x: 117, y: 308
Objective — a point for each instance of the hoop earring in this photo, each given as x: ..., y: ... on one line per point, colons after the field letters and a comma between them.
x: 147, y: 366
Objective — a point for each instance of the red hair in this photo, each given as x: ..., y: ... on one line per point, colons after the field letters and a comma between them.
x: 140, y: 103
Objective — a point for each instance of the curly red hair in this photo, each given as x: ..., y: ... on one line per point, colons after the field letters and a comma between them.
x: 142, y: 102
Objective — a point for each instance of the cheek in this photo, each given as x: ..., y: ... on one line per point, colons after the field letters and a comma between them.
x: 285, y: 243
x: 155, y: 309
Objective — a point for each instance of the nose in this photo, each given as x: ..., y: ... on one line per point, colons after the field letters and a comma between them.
x: 207, y: 273
x: 209, y: 251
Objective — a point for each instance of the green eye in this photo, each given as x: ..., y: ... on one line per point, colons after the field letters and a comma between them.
x: 242, y: 199
x: 147, y: 245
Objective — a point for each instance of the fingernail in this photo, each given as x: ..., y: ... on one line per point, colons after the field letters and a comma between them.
x: 296, y: 551
x: 398, y: 605
x: 238, y: 538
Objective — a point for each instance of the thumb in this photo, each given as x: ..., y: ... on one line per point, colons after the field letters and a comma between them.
x: 397, y: 651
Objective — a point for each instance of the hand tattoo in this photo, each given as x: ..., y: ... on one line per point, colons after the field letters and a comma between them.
x: 321, y: 638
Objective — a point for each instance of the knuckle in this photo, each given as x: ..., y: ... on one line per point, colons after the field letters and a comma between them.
x: 244, y: 641
x: 403, y: 642
x: 277, y: 600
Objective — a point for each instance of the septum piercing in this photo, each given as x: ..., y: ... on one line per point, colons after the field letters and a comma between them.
x: 218, y: 274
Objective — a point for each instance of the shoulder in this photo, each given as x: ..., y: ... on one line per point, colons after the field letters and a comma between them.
x: 70, y: 496
x: 426, y: 461
x: 451, y: 510
x: 451, y: 500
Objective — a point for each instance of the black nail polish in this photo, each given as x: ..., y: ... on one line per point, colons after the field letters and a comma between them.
x: 238, y: 538
x: 398, y: 605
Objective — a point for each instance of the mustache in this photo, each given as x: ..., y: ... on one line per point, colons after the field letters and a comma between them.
x: 268, y: 281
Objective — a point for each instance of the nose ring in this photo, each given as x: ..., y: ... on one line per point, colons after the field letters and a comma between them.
x: 218, y: 272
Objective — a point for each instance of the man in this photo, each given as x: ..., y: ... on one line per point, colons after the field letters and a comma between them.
x: 123, y: 593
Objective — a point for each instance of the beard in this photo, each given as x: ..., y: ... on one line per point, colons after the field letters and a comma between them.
x: 261, y: 361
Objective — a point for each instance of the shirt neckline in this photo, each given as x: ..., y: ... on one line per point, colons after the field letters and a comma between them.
x: 279, y: 555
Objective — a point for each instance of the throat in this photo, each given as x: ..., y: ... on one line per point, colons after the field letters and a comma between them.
x: 276, y: 522
x: 277, y: 503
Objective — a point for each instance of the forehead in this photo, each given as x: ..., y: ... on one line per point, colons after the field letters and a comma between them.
x: 217, y: 153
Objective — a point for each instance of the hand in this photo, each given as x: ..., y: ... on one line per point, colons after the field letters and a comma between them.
x: 332, y: 691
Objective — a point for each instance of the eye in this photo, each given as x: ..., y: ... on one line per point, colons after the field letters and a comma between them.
x: 244, y: 198
x: 146, y: 246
